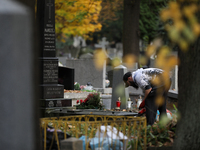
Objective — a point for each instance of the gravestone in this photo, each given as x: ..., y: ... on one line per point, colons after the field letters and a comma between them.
x: 102, y: 44
x: 66, y: 77
x: 85, y: 71
x: 52, y: 93
x: 118, y: 88
x: 72, y: 144
x: 18, y: 110
x: 112, y: 52
x: 119, y: 48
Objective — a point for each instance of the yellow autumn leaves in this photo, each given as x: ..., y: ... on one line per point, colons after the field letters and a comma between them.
x: 77, y: 17
x: 184, y: 28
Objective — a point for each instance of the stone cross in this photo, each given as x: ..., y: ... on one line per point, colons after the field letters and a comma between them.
x: 104, y: 43
x: 49, y: 5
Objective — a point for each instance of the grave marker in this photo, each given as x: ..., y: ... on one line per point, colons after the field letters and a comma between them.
x: 50, y: 89
x: 118, y: 88
x: 19, y: 128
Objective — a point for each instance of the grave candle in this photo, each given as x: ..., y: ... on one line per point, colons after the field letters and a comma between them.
x: 129, y: 102
x: 118, y: 103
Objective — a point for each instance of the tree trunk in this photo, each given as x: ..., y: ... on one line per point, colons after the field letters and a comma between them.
x: 188, y: 128
x: 131, y: 27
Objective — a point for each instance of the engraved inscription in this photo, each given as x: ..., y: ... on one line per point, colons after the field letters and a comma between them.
x: 53, y: 91
x: 49, y: 5
x: 49, y: 27
x: 50, y: 71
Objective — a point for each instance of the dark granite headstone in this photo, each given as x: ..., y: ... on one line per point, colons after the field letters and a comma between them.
x: 49, y: 103
x: 50, y: 89
x: 66, y: 77
x: 46, y: 18
x: 49, y: 71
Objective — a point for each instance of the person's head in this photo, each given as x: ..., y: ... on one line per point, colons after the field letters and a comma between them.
x: 128, y: 80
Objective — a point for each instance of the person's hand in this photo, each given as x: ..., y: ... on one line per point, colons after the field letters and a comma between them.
x: 141, y: 112
x: 142, y: 104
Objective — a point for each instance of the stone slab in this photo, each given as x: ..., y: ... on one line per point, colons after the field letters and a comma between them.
x: 106, y: 100
x: 76, y: 96
x: 59, y: 102
x: 71, y: 144
x: 52, y: 91
x: 64, y: 112
x: 104, y: 90
x: 85, y: 71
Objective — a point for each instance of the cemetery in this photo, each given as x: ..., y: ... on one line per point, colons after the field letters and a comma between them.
x: 81, y: 107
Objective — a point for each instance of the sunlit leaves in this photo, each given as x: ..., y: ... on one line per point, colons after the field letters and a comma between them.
x: 109, y: 9
x: 116, y: 62
x: 77, y: 17
x: 151, y: 49
x: 100, y: 59
x: 184, y: 28
x: 129, y: 60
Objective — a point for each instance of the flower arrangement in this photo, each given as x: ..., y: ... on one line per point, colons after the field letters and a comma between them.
x: 77, y: 86
x: 91, y: 102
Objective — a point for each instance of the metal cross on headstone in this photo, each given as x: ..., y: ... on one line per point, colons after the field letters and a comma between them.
x: 50, y: 5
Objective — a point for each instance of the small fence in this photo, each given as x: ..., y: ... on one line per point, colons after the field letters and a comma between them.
x: 116, y: 132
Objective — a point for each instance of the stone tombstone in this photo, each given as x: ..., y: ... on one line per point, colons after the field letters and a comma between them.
x: 85, y: 71
x: 49, y: 48
x: 18, y: 122
x: 112, y: 52
x: 71, y: 144
x: 50, y: 89
x: 118, y: 88
x: 66, y: 77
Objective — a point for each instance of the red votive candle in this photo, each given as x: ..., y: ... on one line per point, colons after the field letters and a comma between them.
x: 118, y: 103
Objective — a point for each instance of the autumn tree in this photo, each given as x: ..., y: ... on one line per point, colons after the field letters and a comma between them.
x: 76, y: 17
x: 149, y: 18
x: 111, y: 19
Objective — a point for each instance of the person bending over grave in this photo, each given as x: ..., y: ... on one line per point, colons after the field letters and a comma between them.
x: 155, y: 89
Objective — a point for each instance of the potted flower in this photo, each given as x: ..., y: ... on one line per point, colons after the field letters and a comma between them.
x: 91, y: 102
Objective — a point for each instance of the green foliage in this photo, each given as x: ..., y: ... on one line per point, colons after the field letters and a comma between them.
x: 89, y: 90
x: 157, y: 135
x: 77, y: 86
x: 149, y: 24
x: 149, y: 18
